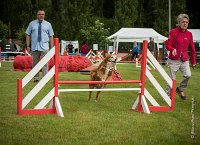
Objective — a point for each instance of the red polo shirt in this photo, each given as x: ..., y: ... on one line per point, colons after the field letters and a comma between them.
x: 181, y: 41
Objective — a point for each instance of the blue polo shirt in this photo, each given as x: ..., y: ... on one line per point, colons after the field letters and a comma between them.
x: 46, y: 32
x: 136, y: 49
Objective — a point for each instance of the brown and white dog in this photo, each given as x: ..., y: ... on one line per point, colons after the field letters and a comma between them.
x: 103, y: 72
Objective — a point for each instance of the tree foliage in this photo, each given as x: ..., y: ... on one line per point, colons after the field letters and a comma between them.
x: 125, y: 13
x: 95, y: 33
x: 155, y: 14
x: 3, y: 30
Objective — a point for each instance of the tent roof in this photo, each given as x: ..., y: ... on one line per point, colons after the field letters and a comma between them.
x: 136, y: 34
x: 196, y: 34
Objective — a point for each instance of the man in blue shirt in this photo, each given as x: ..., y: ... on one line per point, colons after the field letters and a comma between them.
x: 41, y: 34
x: 135, y: 50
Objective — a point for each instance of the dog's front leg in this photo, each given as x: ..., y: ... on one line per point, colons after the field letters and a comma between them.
x: 99, y: 86
x: 90, y: 93
x: 106, y: 74
x: 104, y: 78
x: 97, y: 96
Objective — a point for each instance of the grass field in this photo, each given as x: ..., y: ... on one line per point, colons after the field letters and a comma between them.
x: 107, y: 122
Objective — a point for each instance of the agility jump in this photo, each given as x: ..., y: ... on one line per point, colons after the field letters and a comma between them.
x: 140, y: 104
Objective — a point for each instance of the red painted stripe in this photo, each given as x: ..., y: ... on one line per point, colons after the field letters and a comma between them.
x: 38, y: 111
x: 159, y: 108
x: 19, y: 96
x: 143, y: 73
x: 172, y: 94
x: 99, y: 82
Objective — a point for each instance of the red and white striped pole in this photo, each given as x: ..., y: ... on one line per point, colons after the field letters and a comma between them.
x: 19, y: 96
x: 172, y: 94
x: 143, y: 73
x: 56, y: 60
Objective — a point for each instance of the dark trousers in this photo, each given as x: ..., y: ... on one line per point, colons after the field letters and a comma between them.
x: 37, y: 55
x: 134, y: 54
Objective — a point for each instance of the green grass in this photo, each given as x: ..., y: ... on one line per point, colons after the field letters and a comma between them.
x: 107, y: 122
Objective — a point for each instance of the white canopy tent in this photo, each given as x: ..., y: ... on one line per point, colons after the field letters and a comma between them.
x: 196, y: 34
x: 135, y: 34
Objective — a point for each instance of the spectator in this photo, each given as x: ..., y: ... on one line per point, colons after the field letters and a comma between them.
x: 10, y: 45
x: 41, y: 34
x: 152, y: 46
x: 70, y: 47
x: 135, y: 50
x: 84, y: 48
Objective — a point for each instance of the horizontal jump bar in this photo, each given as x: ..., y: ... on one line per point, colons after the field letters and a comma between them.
x: 99, y: 82
x: 108, y: 89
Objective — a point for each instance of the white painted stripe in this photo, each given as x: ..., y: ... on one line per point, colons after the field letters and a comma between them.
x: 135, y: 103
x: 139, y: 65
x: 136, y: 63
x: 158, y: 87
x: 148, y: 67
x: 144, y: 105
x: 93, y: 53
x: 38, y: 87
x: 119, y: 59
x: 38, y: 67
x: 159, y: 68
x: 45, y: 100
x: 108, y: 89
x: 151, y: 63
x: 51, y: 104
x: 58, y: 107
x: 150, y: 98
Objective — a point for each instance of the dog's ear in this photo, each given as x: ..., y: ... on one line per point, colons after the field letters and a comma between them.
x: 108, y: 55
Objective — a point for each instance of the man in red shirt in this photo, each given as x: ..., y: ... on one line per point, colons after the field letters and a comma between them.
x: 180, y: 39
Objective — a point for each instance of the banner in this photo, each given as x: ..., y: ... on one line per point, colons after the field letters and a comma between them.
x: 95, y: 46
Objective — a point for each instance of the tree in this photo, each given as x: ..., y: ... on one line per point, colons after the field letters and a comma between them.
x: 161, y: 6
x: 155, y: 14
x: 21, y: 35
x: 72, y: 15
x: 161, y: 21
x: 192, y: 9
x: 95, y: 33
x: 3, y: 31
x: 16, y: 14
x: 125, y: 13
